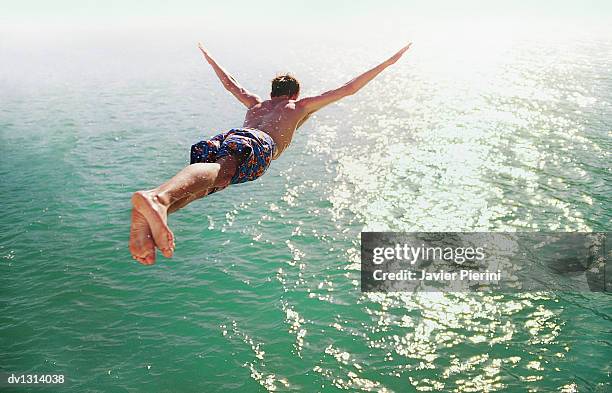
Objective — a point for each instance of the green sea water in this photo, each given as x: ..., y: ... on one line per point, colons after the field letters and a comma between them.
x: 263, y: 292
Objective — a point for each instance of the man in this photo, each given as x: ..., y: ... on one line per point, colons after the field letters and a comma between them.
x: 236, y: 156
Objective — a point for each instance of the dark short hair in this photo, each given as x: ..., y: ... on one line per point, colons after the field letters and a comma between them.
x: 285, y: 85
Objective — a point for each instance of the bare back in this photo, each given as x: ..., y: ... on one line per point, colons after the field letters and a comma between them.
x: 279, y: 117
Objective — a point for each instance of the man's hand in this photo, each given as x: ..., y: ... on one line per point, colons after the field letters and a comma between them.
x: 202, y: 49
x: 393, y: 59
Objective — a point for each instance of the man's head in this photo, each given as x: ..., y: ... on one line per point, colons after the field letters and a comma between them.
x: 285, y: 85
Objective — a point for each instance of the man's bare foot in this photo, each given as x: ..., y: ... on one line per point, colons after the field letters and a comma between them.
x: 141, y: 240
x: 156, y: 215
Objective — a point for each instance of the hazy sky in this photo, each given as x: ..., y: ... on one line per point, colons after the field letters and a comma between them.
x: 380, y: 25
x: 283, y: 13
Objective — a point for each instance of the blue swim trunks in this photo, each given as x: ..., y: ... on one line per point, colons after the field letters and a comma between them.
x: 252, y: 148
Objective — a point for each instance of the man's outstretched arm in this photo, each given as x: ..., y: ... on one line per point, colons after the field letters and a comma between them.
x: 243, y: 95
x: 313, y: 104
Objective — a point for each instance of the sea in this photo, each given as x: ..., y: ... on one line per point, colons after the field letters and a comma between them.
x: 479, y: 130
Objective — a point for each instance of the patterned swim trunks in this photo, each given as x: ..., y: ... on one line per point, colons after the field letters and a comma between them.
x: 252, y: 148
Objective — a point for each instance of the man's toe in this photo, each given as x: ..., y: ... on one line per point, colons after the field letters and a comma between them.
x: 150, y: 259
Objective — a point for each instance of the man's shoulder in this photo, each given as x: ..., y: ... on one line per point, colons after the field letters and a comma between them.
x: 299, y: 104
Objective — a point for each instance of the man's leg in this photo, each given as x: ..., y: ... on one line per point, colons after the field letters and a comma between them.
x: 191, y: 183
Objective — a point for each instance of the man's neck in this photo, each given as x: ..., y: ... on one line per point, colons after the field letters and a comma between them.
x: 279, y: 98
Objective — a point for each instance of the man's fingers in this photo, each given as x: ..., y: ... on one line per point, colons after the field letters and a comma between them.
x: 399, y: 54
